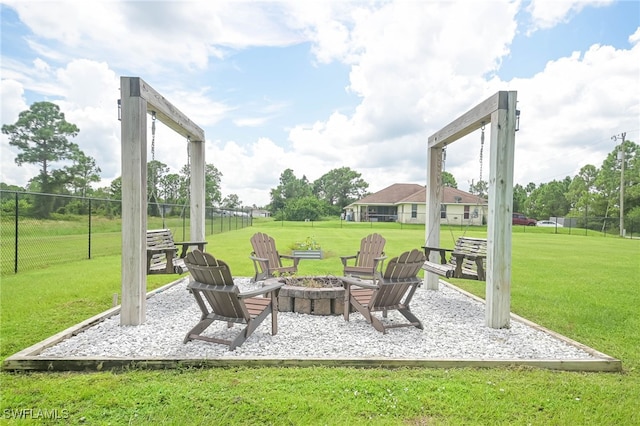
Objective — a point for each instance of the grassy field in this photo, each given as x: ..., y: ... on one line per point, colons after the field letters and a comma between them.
x: 585, y: 287
x: 42, y: 243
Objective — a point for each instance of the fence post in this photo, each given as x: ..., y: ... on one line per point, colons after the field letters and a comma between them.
x: 184, y: 224
x: 15, y: 258
x: 89, y: 248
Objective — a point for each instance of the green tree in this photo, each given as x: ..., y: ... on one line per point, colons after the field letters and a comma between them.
x: 631, y: 177
x: 41, y: 135
x: 340, y: 187
x: 582, y: 191
x: 82, y: 173
x: 481, y: 188
x: 156, y: 172
x: 212, y: 179
x: 7, y: 187
x: 448, y: 180
x: 549, y: 200
x: 231, y: 201
x: 171, y: 188
x: 115, y: 189
x: 290, y: 188
x: 519, y: 198
x: 304, y: 208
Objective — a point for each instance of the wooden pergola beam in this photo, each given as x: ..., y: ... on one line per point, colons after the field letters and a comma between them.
x: 470, y: 121
x: 168, y: 114
x: 500, y: 111
x: 137, y: 99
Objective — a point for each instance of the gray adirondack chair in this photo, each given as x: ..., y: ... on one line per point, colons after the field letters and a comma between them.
x: 267, y: 261
x: 368, y: 260
x: 220, y: 299
x: 392, y: 290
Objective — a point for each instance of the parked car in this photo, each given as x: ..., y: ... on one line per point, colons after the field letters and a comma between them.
x: 549, y: 223
x: 520, y: 219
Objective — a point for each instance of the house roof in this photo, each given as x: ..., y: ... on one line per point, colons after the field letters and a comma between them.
x: 457, y: 196
x: 405, y: 193
x: 394, y: 194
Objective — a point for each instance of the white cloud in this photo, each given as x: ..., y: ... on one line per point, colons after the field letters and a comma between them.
x: 151, y: 38
x: 414, y: 66
x: 549, y: 13
x: 13, y: 103
x: 635, y: 37
x: 572, y: 108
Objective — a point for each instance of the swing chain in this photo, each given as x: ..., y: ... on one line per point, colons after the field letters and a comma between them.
x: 189, y: 152
x: 444, y: 158
x: 481, y: 149
x: 153, y: 135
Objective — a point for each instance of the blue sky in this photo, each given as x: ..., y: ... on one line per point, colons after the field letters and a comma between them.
x: 314, y: 86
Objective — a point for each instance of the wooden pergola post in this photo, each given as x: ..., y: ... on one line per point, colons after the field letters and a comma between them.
x: 137, y: 98
x: 500, y: 111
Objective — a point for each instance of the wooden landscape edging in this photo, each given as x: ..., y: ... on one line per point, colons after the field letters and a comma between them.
x: 34, y: 363
x: 32, y: 351
x: 28, y: 359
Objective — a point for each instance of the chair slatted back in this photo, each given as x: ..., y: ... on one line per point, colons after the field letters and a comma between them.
x: 371, y: 247
x: 160, y: 239
x: 221, y: 291
x: 264, y: 246
x: 400, y: 276
x: 470, y: 245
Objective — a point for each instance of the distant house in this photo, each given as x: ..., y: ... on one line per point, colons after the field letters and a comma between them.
x: 260, y: 213
x: 406, y: 203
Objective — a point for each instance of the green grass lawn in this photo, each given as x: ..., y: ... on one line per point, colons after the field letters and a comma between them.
x: 585, y: 287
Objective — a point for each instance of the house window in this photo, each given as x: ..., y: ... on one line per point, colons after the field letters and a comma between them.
x: 443, y: 211
x: 466, y: 212
x: 414, y: 211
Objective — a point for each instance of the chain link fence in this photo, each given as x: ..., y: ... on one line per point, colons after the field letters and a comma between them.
x: 605, y: 226
x: 37, y: 230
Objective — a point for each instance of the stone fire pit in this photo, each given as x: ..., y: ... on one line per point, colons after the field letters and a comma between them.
x: 317, y: 295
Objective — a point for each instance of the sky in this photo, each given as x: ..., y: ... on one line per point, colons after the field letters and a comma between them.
x: 317, y: 85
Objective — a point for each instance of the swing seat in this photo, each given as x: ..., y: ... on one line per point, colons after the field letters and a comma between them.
x: 467, y: 259
x: 162, y: 252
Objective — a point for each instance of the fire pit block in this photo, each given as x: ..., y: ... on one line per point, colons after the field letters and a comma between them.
x: 327, y: 300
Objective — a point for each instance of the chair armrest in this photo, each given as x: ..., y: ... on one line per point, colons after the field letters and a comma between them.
x: 349, y: 281
x: 161, y: 250
x: 191, y: 243
x: 258, y: 259
x: 344, y: 259
x: 296, y: 259
x: 186, y: 244
x: 262, y: 290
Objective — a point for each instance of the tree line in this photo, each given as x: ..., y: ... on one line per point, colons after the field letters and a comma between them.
x: 593, y: 193
x: 41, y: 135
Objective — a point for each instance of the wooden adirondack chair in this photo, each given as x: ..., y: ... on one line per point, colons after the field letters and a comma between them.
x: 267, y: 262
x: 368, y: 260
x: 392, y: 290
x: 220, y: 299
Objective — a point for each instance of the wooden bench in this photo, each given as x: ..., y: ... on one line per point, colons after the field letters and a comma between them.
x: 467, y: 259
x: 162, y: 252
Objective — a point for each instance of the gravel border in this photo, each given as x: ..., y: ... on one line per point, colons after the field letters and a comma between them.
x: 453, y: 329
